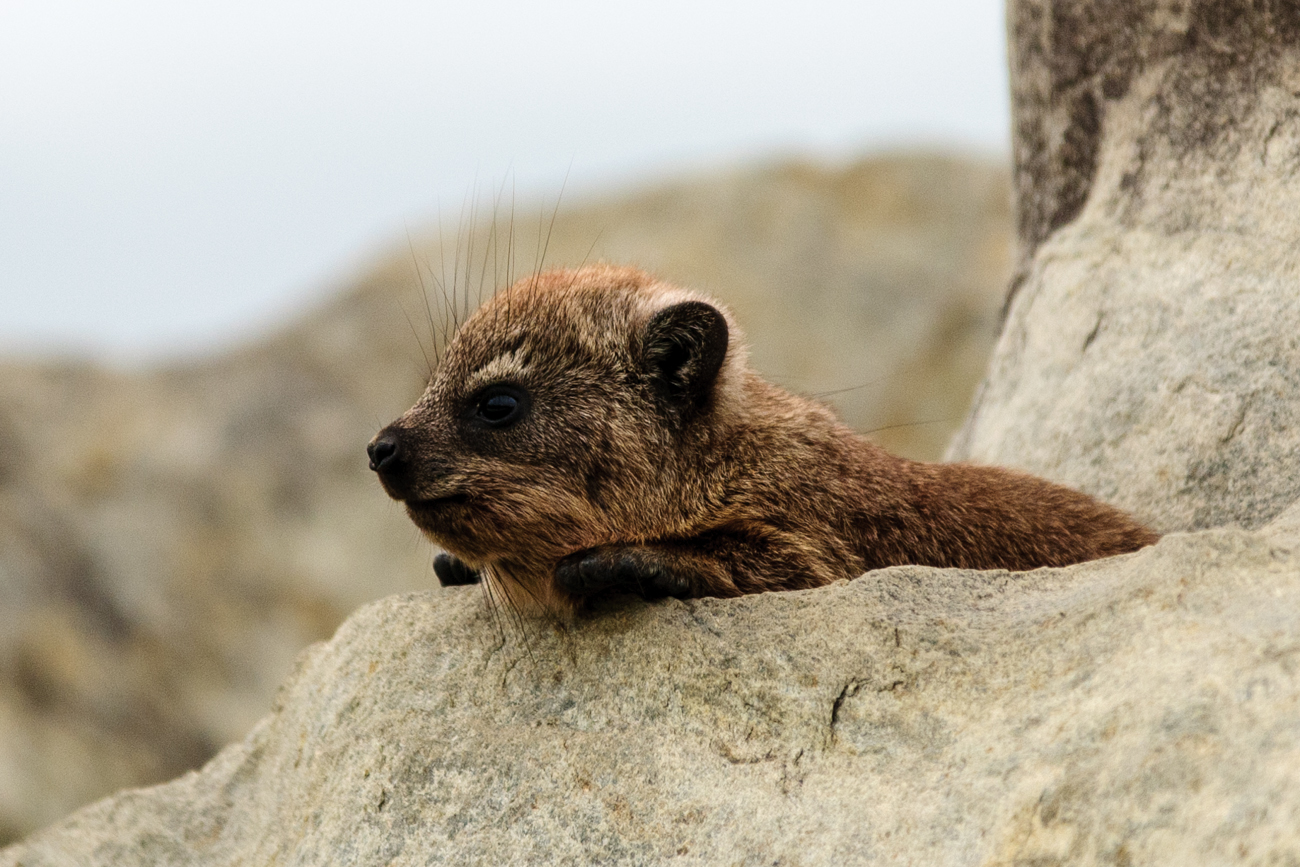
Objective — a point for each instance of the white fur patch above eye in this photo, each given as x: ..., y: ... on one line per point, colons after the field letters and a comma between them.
x: 507, y: 366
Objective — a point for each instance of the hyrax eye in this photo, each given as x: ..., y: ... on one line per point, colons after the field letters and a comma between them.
x: 498, y: 408
x: 501, y: 406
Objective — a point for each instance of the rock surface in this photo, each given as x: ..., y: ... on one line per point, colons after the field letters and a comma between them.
x: 1139, y: 710
x: 171, y: 538
x: 1152, y: 351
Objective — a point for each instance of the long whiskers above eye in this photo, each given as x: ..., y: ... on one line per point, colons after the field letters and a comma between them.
x: 436, y: 338
x: 539, y: 261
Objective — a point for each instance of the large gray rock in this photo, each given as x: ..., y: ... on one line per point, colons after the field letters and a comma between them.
x: 1152, y: 351
x: 1140, y: 710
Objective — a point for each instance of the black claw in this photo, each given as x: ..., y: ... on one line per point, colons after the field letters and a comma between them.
x: 583, y: 573
x: 589, y: 572
x: 660, y: 582
x: 452, y: 572
x: 566, y: 576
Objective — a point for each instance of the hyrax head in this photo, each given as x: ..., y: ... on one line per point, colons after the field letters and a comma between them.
x: 569, y: 411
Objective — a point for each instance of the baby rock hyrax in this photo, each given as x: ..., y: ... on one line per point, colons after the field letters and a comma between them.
x: 597, y: 430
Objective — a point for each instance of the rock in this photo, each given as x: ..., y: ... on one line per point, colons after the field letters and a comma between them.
x: 1138, y: 710
x: 1151, y: 354
x: 172, y: 537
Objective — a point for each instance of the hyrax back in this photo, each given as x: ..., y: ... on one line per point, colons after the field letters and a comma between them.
x: 596, y: 429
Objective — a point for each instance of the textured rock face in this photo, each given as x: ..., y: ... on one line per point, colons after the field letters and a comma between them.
x: 1139, y: 710
x: 1152, y: 350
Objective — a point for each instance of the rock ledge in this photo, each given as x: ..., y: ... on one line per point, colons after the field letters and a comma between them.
x: 1143, y: 709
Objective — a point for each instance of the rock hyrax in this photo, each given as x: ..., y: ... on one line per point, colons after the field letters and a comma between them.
x: 599, y: 430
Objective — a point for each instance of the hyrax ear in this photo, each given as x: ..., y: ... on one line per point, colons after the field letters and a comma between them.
x: 683, y: 347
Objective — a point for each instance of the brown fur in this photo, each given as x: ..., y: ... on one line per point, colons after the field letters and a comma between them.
x: 619, y: 476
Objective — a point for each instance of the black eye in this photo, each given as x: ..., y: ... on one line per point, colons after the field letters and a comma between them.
x: 501, y: 406
x: 498, y: 408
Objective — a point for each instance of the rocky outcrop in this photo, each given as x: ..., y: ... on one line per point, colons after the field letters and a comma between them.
x: 171, y: 538
x: 1140, y: 710
x: 1151, y: 354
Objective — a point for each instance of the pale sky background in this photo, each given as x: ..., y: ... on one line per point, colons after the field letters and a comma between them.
x: 175, y: 175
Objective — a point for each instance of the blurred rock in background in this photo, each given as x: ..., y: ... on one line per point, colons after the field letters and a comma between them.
x: 171, y: 538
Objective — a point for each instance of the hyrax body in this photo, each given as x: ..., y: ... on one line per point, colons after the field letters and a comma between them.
x: 596, y: 429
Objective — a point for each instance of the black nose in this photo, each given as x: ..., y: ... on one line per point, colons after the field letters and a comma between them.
x: 384, y: 452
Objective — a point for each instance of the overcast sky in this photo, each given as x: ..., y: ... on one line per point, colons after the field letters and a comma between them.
x: 174, y: 174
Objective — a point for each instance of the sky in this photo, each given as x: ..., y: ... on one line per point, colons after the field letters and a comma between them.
x: 176, y: 175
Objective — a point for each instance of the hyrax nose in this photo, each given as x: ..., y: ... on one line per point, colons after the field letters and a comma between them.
x: 385, y: 453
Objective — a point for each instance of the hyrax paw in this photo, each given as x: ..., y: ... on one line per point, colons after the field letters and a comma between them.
x: 588, y: 572
x: 617, y: 568
x: 452, y: 571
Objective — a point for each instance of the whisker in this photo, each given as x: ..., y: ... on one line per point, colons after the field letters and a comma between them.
x: 428, y: 313
x: 948, y: 419
x: 592, y: 247
x: 517, y: 615
x: 510, y: 250
x: 867, y: 384
x: 554, y: 213
x: 448, y: 308
x: 490, y: 596
x: 455, y: 267
x: 416, y: 335
x: 470, y: 235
